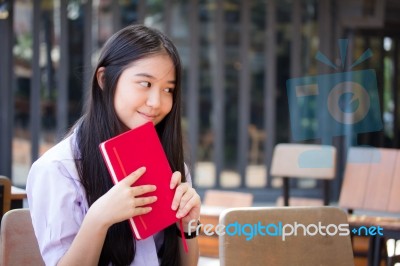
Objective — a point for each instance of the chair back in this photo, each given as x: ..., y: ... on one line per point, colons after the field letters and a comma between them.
x: 287, y: 157
x: 5, y: 195
x: 311, y: 161
x: 19, y: 245
x: 312, y: 249
x: 214, y: 202
x: 371, y: 180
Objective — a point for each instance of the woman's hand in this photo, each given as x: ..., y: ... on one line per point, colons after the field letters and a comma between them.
x: 186, y: 201
x: 122, y: 201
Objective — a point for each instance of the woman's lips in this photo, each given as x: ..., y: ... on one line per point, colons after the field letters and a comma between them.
x: 147, y: 116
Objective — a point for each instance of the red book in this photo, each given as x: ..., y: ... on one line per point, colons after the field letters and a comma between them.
x: 131, y: 150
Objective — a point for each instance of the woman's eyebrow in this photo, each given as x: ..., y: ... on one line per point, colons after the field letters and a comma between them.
x: 152, y: 77
x: 145, y: 75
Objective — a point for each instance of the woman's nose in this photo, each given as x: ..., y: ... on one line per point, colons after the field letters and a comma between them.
x: 154, y: 99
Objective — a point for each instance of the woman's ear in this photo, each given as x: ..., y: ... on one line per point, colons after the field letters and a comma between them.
x: 100, y: 76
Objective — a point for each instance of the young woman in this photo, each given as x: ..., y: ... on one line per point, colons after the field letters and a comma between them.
x: 79, y: 217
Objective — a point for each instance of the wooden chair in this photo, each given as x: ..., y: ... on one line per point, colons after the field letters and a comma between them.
x: 287, y: 163
x: 215, y: 201
x: 325, y: 250
x: 18, y: 241
x: 371, y: 182
x: 5, y: 195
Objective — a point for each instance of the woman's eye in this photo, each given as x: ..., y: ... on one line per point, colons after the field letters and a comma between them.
x: 169, y: 90
x: 145, y: 84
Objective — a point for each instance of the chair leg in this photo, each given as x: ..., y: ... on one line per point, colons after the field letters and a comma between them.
x: 371, y: 250
x: 326, y: 192
x: 379, y: 247
x: 285, y: 191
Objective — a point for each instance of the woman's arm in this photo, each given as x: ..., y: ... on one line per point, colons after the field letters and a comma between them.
x: 66, y: 234
x: 120, y: 203
x: 192, y: 257
x: 87, y: 245
x: 187, y: 203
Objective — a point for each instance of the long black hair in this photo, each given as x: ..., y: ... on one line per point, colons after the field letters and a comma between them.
x: 100, y: 122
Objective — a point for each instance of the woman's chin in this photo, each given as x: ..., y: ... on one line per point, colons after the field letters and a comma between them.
x: 141, y: 123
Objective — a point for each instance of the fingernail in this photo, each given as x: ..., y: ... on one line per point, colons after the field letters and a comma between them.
x: 178, y: 215
x: 171, y: 186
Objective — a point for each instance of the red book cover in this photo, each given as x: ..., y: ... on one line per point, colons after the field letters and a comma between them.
x: 131, y: 150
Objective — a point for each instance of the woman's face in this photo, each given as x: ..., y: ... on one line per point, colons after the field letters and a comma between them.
x: 144, y: 91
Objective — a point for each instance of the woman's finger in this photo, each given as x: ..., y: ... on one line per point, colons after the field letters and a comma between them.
x: 193, y: 202
x: 185, y: 207
x: 141, y: 211
x: 185, y: 198
x: 140, y: 190
x: 180, y: 190
x: 134, y: 176
x: 175, y: 179
x: 144, y: 201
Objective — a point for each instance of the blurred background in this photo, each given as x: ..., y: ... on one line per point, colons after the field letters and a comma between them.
x: 237, y: 57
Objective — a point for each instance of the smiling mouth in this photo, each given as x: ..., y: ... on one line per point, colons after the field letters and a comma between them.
x: 149, y: 117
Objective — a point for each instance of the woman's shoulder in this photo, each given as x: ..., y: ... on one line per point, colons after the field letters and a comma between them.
x: 60, y: 157
x: 61, y: 151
